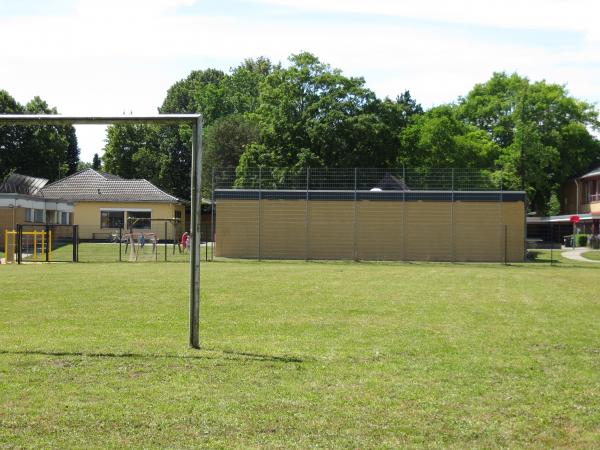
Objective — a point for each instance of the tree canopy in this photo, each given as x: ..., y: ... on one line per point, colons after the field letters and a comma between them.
x: 308, y: 114
x: 46, y: 151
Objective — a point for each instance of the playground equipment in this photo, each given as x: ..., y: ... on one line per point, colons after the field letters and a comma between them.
x: 38, y: 243
x: 35, y: 245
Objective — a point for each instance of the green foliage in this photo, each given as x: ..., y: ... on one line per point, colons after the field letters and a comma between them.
x: 581, y: 240
x: 46, y: 151
x: 438, y: 138
x: 544, y: 134
x: 96, y: 162
x: 311, y: 114
x: 553, y: 207
x: 527, y: 135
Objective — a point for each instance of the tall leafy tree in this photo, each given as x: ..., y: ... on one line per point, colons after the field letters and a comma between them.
x: 310, y: 114
x: 46, y: 151
x: 545, y: 135
x: 438, y: 138
x: 96, y: 162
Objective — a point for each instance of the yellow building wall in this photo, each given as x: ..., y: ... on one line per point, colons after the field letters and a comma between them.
x: 87, y: 216
x: 371, y: 230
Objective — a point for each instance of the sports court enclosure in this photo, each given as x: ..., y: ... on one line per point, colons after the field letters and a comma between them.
x: 400, y: 214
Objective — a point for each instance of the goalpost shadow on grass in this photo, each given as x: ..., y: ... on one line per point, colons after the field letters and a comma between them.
x: 227, y: 354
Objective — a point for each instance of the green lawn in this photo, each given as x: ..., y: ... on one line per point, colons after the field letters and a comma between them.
x: 109, y: 252
x: 299, y: 355
x: 592, y: 254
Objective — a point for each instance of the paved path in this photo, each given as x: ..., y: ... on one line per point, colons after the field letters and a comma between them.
x: 575, y: 255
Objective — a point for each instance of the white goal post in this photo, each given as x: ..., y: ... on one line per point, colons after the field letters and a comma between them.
x: 195, y: 120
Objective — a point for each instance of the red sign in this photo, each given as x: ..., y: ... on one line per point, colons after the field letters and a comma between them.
x: 574, y: 219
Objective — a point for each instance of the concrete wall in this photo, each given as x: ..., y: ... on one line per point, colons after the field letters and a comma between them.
x: 87, y: 216
x: 371, y: 230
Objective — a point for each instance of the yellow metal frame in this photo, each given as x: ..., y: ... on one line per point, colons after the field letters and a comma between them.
x: 45, y: 243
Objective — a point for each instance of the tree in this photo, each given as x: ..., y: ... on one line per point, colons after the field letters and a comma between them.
x: 47, y: 151
x: 312, y: 115
x: 163, y: 154
x: 439, y: 139
x: 96, y: 162
x: 544, y: 133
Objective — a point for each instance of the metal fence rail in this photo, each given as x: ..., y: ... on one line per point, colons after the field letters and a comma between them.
x: 349, y: 179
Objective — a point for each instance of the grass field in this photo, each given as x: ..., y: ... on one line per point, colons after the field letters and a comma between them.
x: 592, y: 254
x: 299, y: 355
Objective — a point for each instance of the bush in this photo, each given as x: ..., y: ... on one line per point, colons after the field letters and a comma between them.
x: 581, y: 240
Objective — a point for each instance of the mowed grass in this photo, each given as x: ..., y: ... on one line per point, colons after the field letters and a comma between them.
x: 592, y: 254
x: 300, y: 355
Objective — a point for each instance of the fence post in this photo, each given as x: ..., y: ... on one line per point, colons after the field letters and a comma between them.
x: 120, y: 242
x: 355, y: 224
x: 306, y: 218
x: 166, y: 231
x: 259, y: 203
x: 452, y: 243
x: 212, y: 216
x: 506, y: 245
x: 19, y: 243
x: 75, y: 243
x: 404, y: 213
x: 47, y: 237
x: 551, y: 243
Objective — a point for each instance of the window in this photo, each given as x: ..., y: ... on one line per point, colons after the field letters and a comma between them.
x: 178, y: 214
x: 594, y: 188
x: 29, y: 215
x: 38, y: 215
x: 111, y: 219
x: 139, y: 219
x: 64, y: 218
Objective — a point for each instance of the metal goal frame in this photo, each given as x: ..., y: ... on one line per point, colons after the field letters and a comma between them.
x: 195, y: 120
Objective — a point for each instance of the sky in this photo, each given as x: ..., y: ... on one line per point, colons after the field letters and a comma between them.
x: 97, y: 57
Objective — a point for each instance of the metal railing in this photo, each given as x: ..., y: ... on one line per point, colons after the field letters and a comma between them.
x: 409, y: 179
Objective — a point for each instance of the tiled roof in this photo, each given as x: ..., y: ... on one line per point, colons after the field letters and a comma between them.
x: 89, y: 185
x: 593, y: 173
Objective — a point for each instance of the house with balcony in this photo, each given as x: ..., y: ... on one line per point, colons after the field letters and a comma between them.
x: 580, y: 197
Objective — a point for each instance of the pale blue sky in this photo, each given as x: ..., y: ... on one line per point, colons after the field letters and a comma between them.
x: 111, y: 56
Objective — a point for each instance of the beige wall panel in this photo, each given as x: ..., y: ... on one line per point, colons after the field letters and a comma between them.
x: 236, y: 228
x: 283, y: 229
x: 331, y: 230
x: 513, y: 215
x: 478, y: 231
x: 379, y: 230
x: 428, y: 231
x: 418, y: 231
x: 594, y: 207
